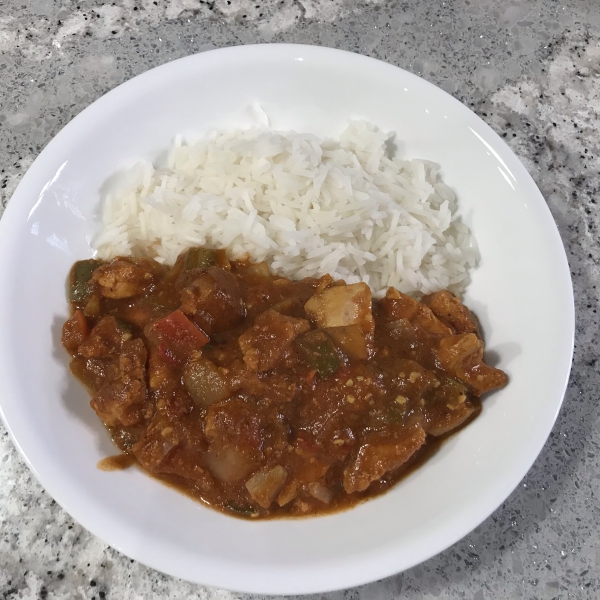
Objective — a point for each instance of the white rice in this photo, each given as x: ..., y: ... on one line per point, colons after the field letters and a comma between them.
x: 306, y: 206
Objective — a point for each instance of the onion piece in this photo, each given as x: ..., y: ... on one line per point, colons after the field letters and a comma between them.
x: 204, y: 383
x: 264, y: 485
x: 320, y: 492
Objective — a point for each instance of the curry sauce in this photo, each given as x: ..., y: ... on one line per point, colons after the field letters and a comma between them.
x: 266, y: 397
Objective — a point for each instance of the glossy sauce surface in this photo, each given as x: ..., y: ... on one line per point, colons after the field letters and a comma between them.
x: 265, y: 397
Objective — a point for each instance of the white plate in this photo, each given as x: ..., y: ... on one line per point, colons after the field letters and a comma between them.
x: 522, y: 292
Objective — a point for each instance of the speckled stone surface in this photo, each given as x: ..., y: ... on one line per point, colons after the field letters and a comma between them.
x: 531, y: 69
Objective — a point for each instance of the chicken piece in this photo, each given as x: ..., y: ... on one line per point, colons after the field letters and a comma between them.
x: 234, y: 434
x: 172, y: 443
x: 269, y: 340
x: 268, y: 386
x: 105, y: 339
x: 74, y: 331
x: 312, y: 469
x: 414, y: 381
x: 233, y: 421
x: 451, y: 310
x: 160, y: 373
x: 154, y: 447
x: 397, y: 305
x: 462, y: 357
x: 120, y: 400
x: 121, y: 278
x: 93, y: 372
x: 448, y: 407
x: 214, y: 300
x: 342, y: 305
x: 376, y: 457
x: 187, y: 461
x: 265, y: 484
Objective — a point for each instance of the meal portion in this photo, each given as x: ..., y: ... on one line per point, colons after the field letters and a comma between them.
x: 292, y: 373
x: 263, y: 396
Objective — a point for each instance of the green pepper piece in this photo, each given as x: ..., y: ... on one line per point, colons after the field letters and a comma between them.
x: 394, y: 414
x: 124, y: 325
x: 320, y: 352
x: 200, y: 258
x: 80, y: 276
x: 241, y: 509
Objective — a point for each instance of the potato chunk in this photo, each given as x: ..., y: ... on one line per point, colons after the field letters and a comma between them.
x: 342, y: 305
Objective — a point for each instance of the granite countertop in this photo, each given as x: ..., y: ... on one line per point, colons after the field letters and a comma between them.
x: 529, y: 68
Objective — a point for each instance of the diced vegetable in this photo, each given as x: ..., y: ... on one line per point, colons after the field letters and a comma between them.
x: 152, y: 449
x: 260, y: 269
x: 319, y: 352
x: 351, y: 340
x: 176, y: 336
x: 320, y: 492
x: 162, y: 299
x: 204, y: 382
x: 288, y: 493
x: 342, y: 305
x: 241, y: 509
x: 200, y: 258
x: 80, y: 277
x: 124, y: 326
x: 395, y: 413
x: 93, y: 305
x: 264, y: 485
x: 229, y: 464
x: 286, y: 306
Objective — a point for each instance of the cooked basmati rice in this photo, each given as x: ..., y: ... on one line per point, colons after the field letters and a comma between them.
x: 306, y: 206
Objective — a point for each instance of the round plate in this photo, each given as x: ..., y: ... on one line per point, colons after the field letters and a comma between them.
x: 521, y: 291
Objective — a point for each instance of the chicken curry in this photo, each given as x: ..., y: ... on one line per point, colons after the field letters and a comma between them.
x: 266, y: 397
